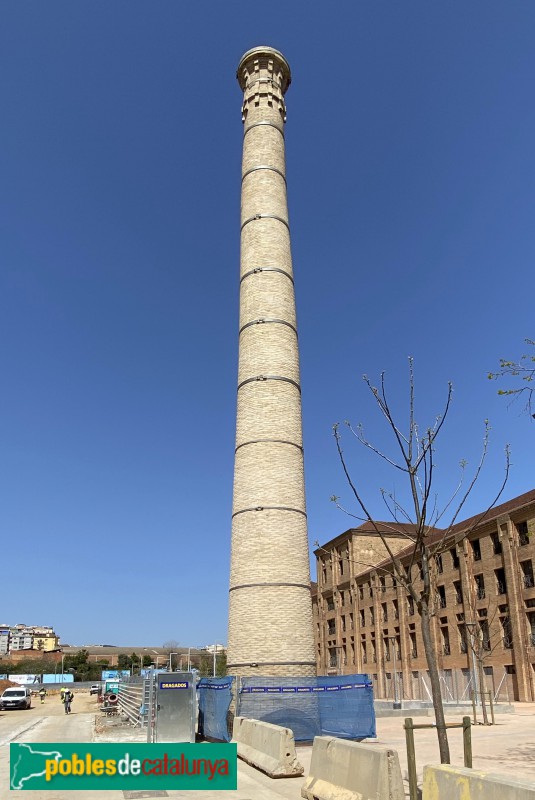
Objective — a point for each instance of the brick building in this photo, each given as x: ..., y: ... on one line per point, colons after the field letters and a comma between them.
x: 484, y: 603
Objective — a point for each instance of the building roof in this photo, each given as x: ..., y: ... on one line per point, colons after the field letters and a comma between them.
x: 464, y: 527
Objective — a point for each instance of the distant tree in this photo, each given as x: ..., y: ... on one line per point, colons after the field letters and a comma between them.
x: 415, y: 459
x: 205, y: 665
x: 146, y: 661
x: 84, y: 669
x: 524, y: 370
x: 171, y: 645
x: 124, y: 661
x: 221, y: 665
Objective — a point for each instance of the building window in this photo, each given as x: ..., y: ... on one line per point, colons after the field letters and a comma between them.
x: 410, y: 606
x: 441, y: 592
x: 523, y: 535
x: 501, y: 586
x: 331, y: 627
x: 343, y: 623
x: 361, y: 592
x: 480, y: 586
x: 330, y: 604
x: 507, y: 633
x: 396, y: 609
x: 458, y: 592
x: 527, y: 574
x: 386, y: 646
x: 454, y: 558
x: 445, y: 641
x: 414, y: 649
x: 333, y: 662
x: 362, y: 618
x: 438, y: 559
x: 342, y: 598
x: 364, y: 654
x: 496, y: 544
x: 531, y: 626
x: 385, y: 612
x: 476, y: 549
x: 372, y: 617
x: 351, y: 625
x: 463, y: 647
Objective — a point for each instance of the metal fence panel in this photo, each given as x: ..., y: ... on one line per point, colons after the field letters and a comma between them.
x: 130, y: 699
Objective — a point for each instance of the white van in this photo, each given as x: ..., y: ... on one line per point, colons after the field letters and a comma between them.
x: 16, y: 697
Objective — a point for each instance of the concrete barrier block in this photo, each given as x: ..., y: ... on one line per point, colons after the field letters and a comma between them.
x: 445, y: 782
x: 342, y: 770
x: 270, y: 748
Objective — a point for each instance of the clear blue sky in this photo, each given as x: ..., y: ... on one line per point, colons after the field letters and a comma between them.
x: 411, y: 175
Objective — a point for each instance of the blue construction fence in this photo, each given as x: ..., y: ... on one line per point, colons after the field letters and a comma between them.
x: 339, y: 706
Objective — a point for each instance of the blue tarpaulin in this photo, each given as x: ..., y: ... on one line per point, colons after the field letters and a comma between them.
x: 335, y: 706
x: 214, y: 695
x: 339, y: 706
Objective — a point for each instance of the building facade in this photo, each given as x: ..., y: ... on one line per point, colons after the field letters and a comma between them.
x: 483, y: 612
x: 270, y: 614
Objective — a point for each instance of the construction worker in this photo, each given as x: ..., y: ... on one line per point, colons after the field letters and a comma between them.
x: 42, y: 694
x: 68, y: 697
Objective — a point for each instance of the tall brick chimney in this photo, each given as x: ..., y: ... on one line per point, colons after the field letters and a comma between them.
x: 270, y: 616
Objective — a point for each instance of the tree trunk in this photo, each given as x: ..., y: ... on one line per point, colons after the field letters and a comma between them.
x: 431, y: 658
x: 482, y: 688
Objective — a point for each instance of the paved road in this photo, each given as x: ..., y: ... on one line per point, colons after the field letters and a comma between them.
x: 49, y: 723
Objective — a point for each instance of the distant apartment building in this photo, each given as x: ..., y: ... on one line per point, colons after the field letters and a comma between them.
x: 27, y: 637
x: 4, y: 640
x: 484, y: 593
x: 21, y: 641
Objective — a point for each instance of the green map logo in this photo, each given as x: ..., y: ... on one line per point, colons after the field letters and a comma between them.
x: 123, y: 766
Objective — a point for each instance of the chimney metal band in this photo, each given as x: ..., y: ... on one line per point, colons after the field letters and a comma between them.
x: 262, y: 320
x: 269, y: 125
x: 262, y: 166
x: 256, y: 585
x: 270, y: 378
x: 269, y: 508
x: 264, y: 216
x: 273, y: 441
x: 266, y: 269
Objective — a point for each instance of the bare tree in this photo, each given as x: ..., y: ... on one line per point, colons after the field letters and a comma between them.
x: 419, y: 520
x: 482, y: 635
x: 524, y: 369
x: 171, y: 644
